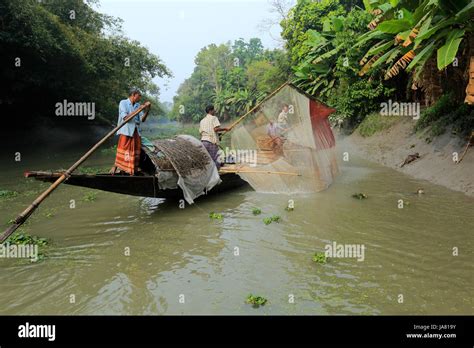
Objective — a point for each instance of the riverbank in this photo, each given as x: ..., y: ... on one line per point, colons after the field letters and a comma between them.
x: 390, y: 147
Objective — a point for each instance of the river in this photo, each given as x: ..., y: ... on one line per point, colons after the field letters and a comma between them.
x: 117, y: 254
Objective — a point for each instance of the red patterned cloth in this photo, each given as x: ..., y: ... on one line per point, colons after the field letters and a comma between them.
x: 128, y: 153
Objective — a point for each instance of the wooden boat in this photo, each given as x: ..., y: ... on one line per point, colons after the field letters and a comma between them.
x: 146, y: 183
x: 142, y: 185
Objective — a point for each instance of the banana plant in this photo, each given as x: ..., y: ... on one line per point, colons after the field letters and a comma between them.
x: 407, y: 33
x: 315, y: 74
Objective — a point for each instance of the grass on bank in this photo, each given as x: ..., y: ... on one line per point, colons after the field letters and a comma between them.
x: 444, y: 113
x: 375, y: 122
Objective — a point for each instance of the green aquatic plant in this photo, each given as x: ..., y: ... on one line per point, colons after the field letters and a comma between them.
x: 256, y: 211
x: 273, y: 218
x: 359, y: 195
x: 49, y: 213
x: 215, y: 216
x: 256, y: 301
x: 90, y: 196
x: 320, y: 257
x: 21, y: 238
x: 4, y: 194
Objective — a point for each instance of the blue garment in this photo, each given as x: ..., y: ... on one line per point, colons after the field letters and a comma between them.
x: 125, y: 108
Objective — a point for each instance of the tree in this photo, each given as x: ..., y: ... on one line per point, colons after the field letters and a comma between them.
x: 406, y: 35
x: 48, y: 56
x: 326, y: 63
x: 232, y: 77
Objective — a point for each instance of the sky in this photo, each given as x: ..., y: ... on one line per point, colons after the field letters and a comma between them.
x: 176, y: 30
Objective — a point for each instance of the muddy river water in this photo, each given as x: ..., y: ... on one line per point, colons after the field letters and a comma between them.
x: 118, y: 254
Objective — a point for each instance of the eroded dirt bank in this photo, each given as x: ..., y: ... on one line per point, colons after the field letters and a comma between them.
x: 392, y: 146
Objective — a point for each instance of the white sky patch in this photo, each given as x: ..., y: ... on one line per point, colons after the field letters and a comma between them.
x: 177, y: 30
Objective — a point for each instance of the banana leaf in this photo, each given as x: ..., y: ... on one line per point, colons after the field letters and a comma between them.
x: 394, y: 26
x: 421, y: 57
x: 448, y: 51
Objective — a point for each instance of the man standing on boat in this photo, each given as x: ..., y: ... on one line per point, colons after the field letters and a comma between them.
x: 209, y: 127
x: 129, y: 143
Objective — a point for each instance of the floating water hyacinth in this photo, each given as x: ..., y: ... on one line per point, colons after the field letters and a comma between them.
x: 276, y: 218
x: 320, y: 257
x: 8, y: 194
x: 216, y: 216
x: 89, y: 196
x: 269, y: 220
x: 256, y: 211
x: 21, y: 238
x: 359, y: 195
x: 256, y: 301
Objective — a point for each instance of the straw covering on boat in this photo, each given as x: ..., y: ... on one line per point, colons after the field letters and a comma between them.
x: 183, y: 161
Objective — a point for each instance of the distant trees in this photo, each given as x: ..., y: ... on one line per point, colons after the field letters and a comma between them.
x: 63, y: 49
x: 231, y: 76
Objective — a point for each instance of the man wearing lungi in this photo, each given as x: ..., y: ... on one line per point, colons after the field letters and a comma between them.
x: 209, y: 127
x: 129, y: 143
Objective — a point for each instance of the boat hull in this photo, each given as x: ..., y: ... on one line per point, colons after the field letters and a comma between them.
x: 143, y: 186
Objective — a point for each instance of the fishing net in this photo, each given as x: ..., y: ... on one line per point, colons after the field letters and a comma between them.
x: 290, y: 142
x: 183, y: 161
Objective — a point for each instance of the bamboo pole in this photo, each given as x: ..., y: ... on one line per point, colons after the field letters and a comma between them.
x: 236, y: 171
x: 32, y: 207
x: 254, y: 108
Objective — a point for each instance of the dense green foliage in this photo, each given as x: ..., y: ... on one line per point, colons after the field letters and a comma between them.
x: 351, y: 55
x: 447, y: 112
x: 407, y: 33
x: 231, y: 77
x: 64, y: 49
x: 320, y: 38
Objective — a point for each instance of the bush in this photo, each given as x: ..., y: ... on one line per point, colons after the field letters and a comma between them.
x: 447, y: 112
x: 357, y: 100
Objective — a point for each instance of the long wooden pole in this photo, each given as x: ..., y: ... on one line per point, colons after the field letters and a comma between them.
x: 237, y: 171
x: 254, y: 108
x: 28, y: 211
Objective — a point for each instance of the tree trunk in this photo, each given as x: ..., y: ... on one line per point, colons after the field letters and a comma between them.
x: 470, y: 85
x: 431, y: 82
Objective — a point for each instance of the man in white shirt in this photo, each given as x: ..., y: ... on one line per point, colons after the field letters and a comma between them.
x: 209, y: 127
x: 283, y: 117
